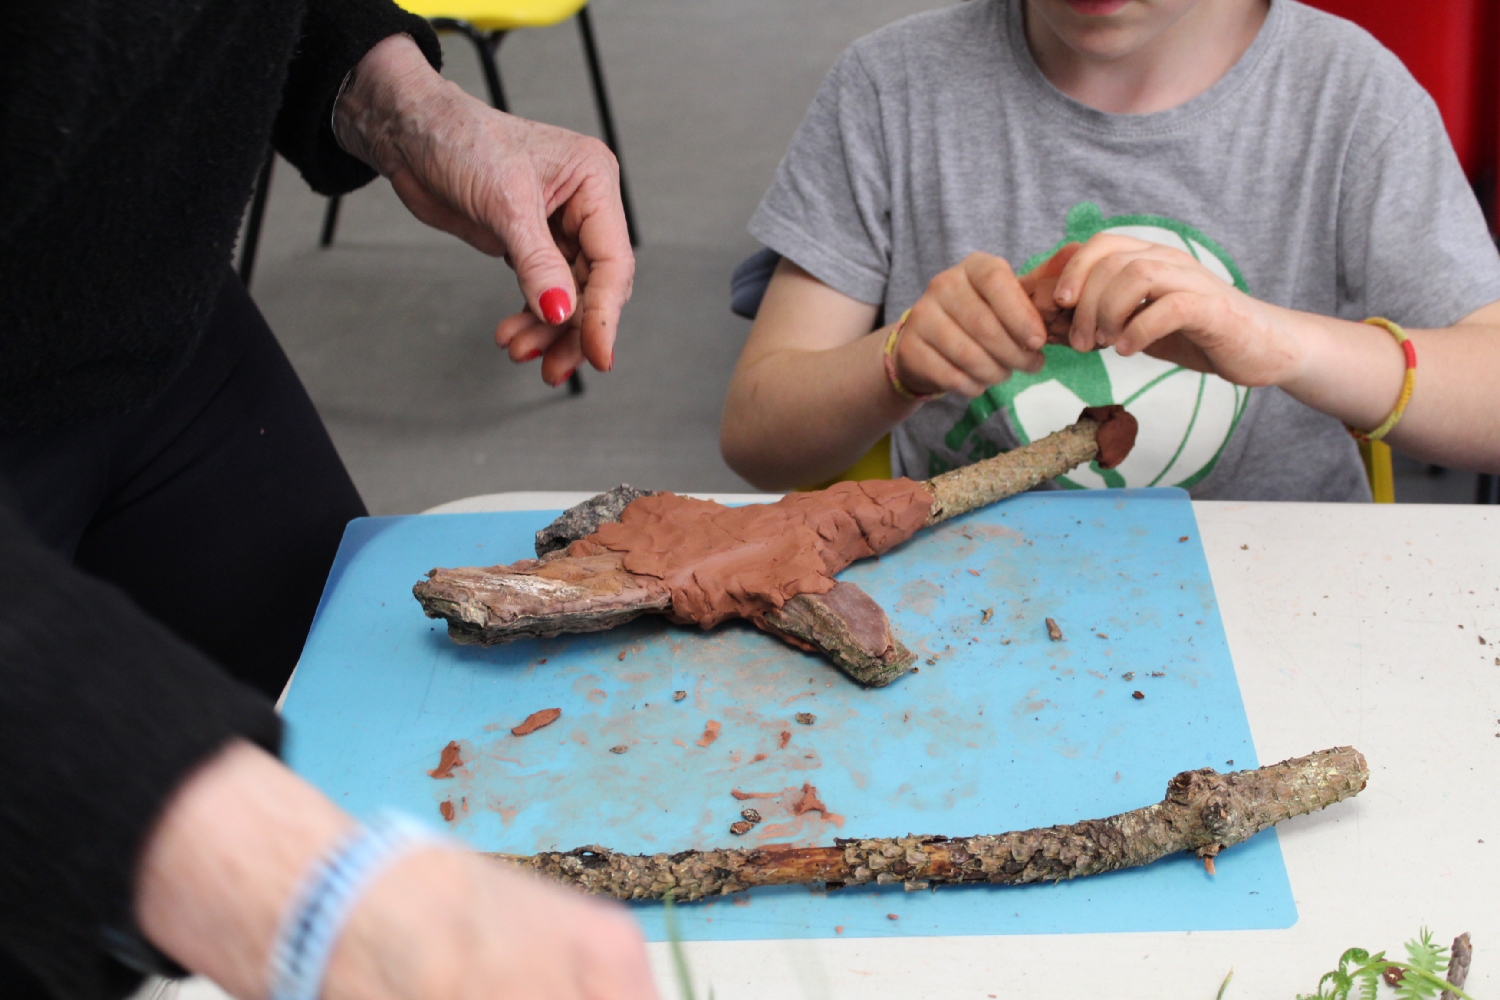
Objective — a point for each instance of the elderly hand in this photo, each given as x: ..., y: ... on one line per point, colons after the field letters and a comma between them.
x: 545, y: 199
x: 1137, y: 296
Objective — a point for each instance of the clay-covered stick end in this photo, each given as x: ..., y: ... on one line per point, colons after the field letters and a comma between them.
x: 1116, y: 434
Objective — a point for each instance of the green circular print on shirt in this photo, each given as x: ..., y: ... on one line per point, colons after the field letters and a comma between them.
x: 1186, y: 417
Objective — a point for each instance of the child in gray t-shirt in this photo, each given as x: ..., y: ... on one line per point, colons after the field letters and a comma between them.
x: 1234, y: 221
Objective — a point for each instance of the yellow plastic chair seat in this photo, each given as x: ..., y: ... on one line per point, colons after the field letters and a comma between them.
x: 498, y: 15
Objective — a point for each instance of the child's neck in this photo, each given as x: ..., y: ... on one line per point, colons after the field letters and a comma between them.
x: 1145, y: 66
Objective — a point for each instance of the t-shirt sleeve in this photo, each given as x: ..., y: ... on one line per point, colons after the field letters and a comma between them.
x: 335, y: 36
x: 828, y: 209
x: 103, y: 713
x: 1413, y: 245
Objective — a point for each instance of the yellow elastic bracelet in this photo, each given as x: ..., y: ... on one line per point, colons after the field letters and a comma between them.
x: 892, y: 341
x: 1407, y: 384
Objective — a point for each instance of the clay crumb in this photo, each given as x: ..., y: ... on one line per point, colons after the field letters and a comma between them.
x: 619, y: 749
x: 1229, y: 763
x: 1183, y: 538
x: 757, y: 758
x: 838, y: 928
x: 1053, y: 632
x: 784, y: 739
x: 1101, y: 635
x: 622, y: 655
x: 1245, y: 548
x: 1138, y: 696
x: 806, y: 718
x: 542, y: 660
x: 750, y: 815
x: 678, y: 695
x: 973, y: 572
x: 447, y: 761
x: 537, y: 720
x: 741, y: 827
x: 1158, y: 673
x: 1128, y: 675
x: 710, y: 732
x: 985, y: 616
x: 892, y: 916
x: 446, y: 808
x: 931, y: 661
x: 1481, y: 640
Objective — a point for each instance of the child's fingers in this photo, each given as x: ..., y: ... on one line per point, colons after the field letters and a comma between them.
x: 1135, y: 285
x: 1053, y: 266
x: 1018, y: 331
x: 927, y: 371
x: 931, y: 323
x: 1083, y: 260
x: 1084, y: 335
x: 1188, y: 313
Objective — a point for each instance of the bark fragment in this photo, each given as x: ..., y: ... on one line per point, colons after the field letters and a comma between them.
x: 1203, y: 812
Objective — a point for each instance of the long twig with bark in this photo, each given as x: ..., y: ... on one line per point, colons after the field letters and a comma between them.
x: 579, y: 583
x: 1203, y: 812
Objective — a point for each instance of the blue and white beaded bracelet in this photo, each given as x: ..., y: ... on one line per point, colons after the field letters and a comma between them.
x: 329, y: 890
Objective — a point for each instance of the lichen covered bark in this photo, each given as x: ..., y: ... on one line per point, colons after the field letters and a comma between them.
x: 1203, y: 812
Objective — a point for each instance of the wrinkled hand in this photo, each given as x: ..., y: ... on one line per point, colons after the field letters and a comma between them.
x: 1138, y: 297
x: 974, y: 325
x: 545, y: 199
x: 447, y: 925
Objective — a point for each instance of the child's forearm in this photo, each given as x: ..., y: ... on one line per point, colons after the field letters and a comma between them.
x: 796, y: 417
x: 1354, y: 371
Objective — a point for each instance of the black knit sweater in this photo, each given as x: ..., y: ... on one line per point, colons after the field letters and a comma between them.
x: 130, y: 134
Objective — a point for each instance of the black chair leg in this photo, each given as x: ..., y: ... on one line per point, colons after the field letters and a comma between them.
x: 330, y: 221
x: 1487, y: 489
x: 257, y: 216
x: 485, y: 45
x: 606, y: 118
x: 575, y: 384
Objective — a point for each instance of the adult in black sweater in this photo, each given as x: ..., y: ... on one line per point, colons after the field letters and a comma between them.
x: 169, y: 502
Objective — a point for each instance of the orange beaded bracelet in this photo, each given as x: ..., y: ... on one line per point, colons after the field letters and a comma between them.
x: 892, y: 342
x: 1407, y: 384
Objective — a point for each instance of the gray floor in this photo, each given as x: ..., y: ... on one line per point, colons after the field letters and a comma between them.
x: 391, y: 328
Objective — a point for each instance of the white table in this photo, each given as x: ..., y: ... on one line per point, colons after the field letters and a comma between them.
x: 1349, y: 624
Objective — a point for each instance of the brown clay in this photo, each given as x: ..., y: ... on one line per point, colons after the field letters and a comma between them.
x: 710, y: 733
x: 809, y: 802
x: 446, y: 808
x: 784, y: 739
x: 537, y: 720
x: 447, y: 761
x: 1053, y: 632
x: 741, y: 562
x: 1117, y: 431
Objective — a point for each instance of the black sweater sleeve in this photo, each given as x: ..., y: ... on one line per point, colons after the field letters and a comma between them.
x: 335, y: 36
x: 102, y: 714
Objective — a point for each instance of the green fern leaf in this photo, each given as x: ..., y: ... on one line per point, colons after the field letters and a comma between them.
x: 1427, y: 956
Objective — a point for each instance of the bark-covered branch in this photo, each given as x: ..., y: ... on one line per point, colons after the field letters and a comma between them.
x: 1203, y: 812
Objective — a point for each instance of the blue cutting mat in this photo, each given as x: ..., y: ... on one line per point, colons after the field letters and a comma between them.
x: 998, y: 729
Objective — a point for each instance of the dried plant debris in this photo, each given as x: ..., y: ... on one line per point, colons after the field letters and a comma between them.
x: 1204, y: 812
x: 620, y: 748
x: 741, y: 827
x: 750, y: 815
x: 679, y: 695
x: 1053, y: 632
x: 1138, y: 695
x: 537, y: 720
x: 806, y: 718
x: 985, y: 616
x: 1128, y: 675
x: 1429, y: 973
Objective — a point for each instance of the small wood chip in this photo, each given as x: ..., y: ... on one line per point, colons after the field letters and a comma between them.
x: 750, y: 815
x: 892, y: 916
x: 1158, y: 673
x: 1183, y: 538
x: 986, y: 615
x: 1138, y: 696
x: 806, y: 718
x: 1245, y: 547
x: 973, y: 572
x: 619, y: 749
x: 678, y: 695
x: 537, y: 720
x: 740, y: 828
x: 1101, y: 635
x: 1128, y: 675
x: 1053, y: 632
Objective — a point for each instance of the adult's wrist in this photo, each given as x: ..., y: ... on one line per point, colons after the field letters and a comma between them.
x: 380, y: 101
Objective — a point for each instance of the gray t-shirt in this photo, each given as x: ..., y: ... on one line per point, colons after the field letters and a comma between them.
x: 1315, y: 175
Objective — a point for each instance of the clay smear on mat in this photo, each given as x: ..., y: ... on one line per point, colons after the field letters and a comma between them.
x: 536, y: 720
x: 791, y: 805
x: 740, y: 562
x: 447, y: 761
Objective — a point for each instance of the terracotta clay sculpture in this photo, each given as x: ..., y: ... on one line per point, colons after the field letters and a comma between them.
x: 1203, y: 812
x: 627, y: 553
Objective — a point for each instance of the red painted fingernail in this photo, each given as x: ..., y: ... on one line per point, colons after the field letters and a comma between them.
x: 611, y: 360
x: 533, y: 355
x: 555, y: 305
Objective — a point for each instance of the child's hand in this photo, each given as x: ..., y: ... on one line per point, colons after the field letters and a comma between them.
x: 975, y: 324
x: 1136, y: 296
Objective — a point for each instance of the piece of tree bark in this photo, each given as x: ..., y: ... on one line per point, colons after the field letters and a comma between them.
x: 1203, y: 812
x: 561, y: 593
x: 1459, y: 957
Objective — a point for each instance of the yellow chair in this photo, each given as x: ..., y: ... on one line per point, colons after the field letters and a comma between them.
x: 486, y: 23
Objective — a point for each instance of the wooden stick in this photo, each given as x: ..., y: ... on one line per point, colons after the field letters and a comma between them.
x: 1203, y: 812
x: 1016, y: 471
